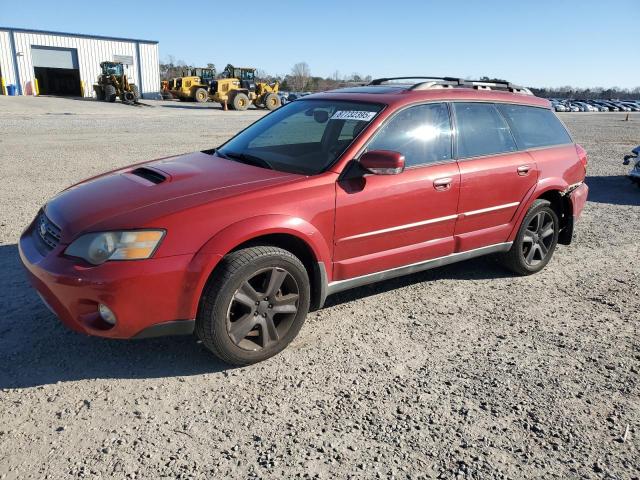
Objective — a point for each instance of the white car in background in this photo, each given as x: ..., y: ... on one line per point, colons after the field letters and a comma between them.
x: 587, y: 107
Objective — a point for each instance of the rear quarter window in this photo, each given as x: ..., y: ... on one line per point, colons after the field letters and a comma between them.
x: 534, y: 126
x: 481, y: 130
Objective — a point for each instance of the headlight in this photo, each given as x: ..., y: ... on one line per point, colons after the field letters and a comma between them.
x: 97, y: 248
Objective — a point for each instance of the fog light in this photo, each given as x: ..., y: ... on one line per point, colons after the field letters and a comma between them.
x: 106, y: 314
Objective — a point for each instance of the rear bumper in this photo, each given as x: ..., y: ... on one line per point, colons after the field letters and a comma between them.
x: 149, y: 297
x: 578, y: 200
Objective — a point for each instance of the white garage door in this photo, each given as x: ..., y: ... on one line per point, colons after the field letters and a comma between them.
x: 51, y: 57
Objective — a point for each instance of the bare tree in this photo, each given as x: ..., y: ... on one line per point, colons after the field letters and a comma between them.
x: 300, y: 74
x: 262, y: 76
x: 172, y: 68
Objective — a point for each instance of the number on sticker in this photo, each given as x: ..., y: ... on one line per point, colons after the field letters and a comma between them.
x: 353, y: 115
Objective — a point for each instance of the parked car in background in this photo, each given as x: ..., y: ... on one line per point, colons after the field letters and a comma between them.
x: 621, y: 106
x: 600, y: 107
x: 631, y: 106
x: 284, y: 97
x: 633, y: 159
x: 610, y: 106
x: 327, y: 193
x: 558, y: 107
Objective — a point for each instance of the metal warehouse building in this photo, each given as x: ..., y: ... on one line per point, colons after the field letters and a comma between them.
x: 67, y: 64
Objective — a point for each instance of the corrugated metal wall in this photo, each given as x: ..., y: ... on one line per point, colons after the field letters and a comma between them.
x: 6, y: 60
x: 150, y: 67
x: 91, y: 51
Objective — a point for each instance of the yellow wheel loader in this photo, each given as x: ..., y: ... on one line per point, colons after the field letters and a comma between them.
x: 193, y: 85
x: 113, y: 83
x: 238, y: 89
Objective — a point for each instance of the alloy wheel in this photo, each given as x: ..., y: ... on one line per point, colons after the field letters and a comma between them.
x: 263, y: 309
x: 538, y: 238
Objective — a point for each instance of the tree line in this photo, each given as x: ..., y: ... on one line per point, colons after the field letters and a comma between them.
x: 300, y: 79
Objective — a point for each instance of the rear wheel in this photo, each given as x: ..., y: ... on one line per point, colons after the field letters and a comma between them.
x: 254, y: 306
x: 272, y: 101
x: 109, y: 93
x: 201, y: 95
x: 536, y: 240
x: 240, y: 101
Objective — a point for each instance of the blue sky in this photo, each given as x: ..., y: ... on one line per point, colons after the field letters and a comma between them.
x: 535, y: 43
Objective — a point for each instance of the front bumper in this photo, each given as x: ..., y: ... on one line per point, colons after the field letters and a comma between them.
x: 143, y: 294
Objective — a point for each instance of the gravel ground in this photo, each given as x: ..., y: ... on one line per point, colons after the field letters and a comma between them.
x: 460, y: 372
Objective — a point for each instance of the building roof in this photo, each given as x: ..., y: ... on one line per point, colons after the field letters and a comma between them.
x: 81, y: 35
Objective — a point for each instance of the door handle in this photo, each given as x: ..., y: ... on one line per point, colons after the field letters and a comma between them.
x: 523, y: 170
x: 442, y: 184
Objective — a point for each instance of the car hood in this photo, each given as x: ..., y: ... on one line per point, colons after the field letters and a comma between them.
x: 189, y: 179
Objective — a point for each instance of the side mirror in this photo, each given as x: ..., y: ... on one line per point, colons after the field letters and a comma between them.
x: 321, y: 116
x: 382, y: 162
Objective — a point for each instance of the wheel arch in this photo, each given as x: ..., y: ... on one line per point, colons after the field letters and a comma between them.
x: 553, y: 190
x: 289, y: 233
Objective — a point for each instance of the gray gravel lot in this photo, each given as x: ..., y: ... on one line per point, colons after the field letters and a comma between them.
x: 460, y: 372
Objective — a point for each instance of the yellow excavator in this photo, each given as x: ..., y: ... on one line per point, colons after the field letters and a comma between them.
x: 193, y: 85
x: 238, y: 89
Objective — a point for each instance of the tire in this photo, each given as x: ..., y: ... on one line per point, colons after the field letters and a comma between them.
x: 240, y: 101
x: 99, y: 93
x: 128, y: 97
x: 109, y: 93
x: 272, y: 101
x: 136, y: 92
x: 201, y: 95
x: 229, y: 322
x: 535, y: 242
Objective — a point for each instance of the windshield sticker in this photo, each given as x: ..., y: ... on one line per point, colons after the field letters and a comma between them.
x: 353, y: 115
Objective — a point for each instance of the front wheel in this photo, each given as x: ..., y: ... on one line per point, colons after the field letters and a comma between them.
x: 536, y: 241
x: 110, y: 93
x: 272, y: 101
x: 136, y: 92
x: 254, y: 306
x: 201, y: 95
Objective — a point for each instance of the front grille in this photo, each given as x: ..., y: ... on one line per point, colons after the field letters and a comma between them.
x: 48, y: 232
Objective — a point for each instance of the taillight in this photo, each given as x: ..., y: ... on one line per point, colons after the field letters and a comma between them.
x: 582, y: 155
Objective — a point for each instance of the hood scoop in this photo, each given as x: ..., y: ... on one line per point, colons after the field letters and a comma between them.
x: 148, y: 174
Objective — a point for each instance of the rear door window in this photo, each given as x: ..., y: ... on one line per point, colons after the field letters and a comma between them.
x: 534, y: 126
x: 481, y: 130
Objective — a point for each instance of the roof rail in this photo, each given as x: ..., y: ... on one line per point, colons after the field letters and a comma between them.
x: 429, y: 83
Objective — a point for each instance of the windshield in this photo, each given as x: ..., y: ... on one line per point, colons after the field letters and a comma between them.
x: 112, y: 69
x: 305, y: 136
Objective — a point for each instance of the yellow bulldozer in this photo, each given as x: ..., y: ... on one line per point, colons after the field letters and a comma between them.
x: 237, y: 88
x: 193, y: 85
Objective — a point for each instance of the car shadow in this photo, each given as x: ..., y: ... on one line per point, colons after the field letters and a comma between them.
x: 613, y: 189
x: 36, y: 349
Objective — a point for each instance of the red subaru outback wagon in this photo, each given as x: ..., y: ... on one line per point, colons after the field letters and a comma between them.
x: 332, y: 191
